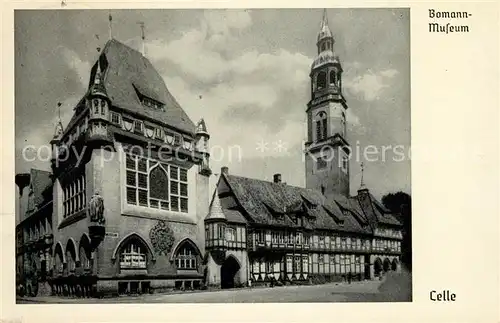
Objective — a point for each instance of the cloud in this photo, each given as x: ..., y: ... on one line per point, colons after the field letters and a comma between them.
x: 264, y: 93
x: 73, y: 61
x: 370, y: 84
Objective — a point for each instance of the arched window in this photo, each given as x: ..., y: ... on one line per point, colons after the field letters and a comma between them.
x: 154, y: 184
x: 186, y: 257
x: 71, y: 256
x: 96, y: 106
x: 103, y: 107
x: 321, y: 126
x: 133, y: 255
x: 58, y: 260
x: 333, y: 77
x: 158, y: 184
x: 84, y: 253
x: 321, y: 80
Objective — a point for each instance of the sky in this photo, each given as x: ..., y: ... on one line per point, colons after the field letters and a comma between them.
x: 246, y: 72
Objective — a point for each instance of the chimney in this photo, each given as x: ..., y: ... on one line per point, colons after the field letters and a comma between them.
x: 224, y: 170
x: 277, y: 178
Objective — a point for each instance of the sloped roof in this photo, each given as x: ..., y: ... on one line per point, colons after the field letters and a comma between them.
x: 272, y: 204
x: 215, y: 210
x: 41, y: 182
x: 127, y: 70
x: 382, y: 214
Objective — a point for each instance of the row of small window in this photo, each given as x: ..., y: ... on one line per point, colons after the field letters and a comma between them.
x: 327, y: 263
x: 317, y: 241
x: 151, y: 131
x: 97, y: 107
x: 388, y: 233
x: 222, y: 232
x: 39, y: 229
x: 387, y: 245
x: 156, y: 185
x: 150, y: 103
x: 74, y: 197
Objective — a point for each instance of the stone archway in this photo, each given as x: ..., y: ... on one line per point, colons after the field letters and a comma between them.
x: 228, y: 272
x: 387, y: 264
x: 378, y: 267
x: 394, y: 264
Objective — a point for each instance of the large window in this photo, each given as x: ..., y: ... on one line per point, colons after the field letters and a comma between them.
x: 186, y: 257
x: 74, y: 194
x: 133, y: 256
x: 156, y: 185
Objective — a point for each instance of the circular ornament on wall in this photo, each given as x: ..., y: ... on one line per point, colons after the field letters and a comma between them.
x: 162, y: 237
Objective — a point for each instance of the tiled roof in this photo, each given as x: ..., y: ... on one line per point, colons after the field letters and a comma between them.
x: 41, y: 184
x: 215, y: 210
x: 127, y: 71
x: 274, y: 203
x: 269, y: 203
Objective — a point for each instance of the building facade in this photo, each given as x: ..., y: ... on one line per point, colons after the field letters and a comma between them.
x: 258, y: 232
x: 129, y: 186
x: 127, y: 209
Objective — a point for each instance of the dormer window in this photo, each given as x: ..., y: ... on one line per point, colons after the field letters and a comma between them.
x: 147, y: 101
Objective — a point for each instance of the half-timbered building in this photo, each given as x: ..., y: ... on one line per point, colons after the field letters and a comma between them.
x: 259, y: 231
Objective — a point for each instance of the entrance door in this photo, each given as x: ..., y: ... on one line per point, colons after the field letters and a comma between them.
x: 228, y: 272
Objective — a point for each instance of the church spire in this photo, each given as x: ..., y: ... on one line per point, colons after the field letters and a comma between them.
x: 325, y: 34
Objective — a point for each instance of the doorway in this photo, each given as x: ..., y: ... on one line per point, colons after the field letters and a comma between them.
x: 228, y: 272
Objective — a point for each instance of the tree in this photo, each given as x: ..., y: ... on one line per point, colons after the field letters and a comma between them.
x: 399, y: 203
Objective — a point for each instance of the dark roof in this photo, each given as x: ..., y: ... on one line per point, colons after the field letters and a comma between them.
x: 41, y: 184
x: 269, y: 203
x: 275, y: 204
x: 127, y: 71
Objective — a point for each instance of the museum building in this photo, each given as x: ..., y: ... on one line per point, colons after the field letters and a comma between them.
x: 128, y: 188
x: 127, y: 207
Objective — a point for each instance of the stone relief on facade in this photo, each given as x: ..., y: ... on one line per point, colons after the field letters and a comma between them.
x: 162, y: 238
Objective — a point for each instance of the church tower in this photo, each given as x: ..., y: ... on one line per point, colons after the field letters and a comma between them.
x: 326, y: 148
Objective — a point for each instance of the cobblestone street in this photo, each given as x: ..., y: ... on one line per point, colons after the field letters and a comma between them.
x: 366, y: 291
